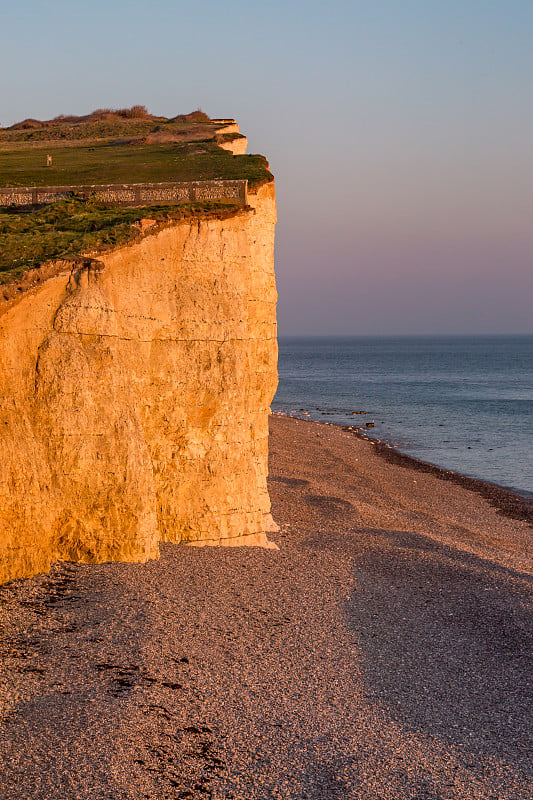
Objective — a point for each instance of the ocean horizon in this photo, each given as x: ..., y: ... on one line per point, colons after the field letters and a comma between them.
x: 461, y: 402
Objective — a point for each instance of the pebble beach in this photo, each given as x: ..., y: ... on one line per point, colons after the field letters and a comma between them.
x: 383, y: 652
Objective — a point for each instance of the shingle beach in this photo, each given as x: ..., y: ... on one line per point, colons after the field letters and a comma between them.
x: 384, y: 652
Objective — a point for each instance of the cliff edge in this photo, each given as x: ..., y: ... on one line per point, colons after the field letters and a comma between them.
x: 134, y: 396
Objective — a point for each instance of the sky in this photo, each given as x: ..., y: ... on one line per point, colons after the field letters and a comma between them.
x: 400, y: 135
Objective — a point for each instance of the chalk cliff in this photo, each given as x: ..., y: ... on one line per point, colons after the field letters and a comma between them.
x: 235, y: 143
x: 134, y: 397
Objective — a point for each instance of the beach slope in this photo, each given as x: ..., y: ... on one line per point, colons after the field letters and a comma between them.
x: 384, y: 651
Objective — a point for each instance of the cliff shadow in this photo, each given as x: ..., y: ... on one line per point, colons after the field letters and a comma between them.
x: 446, y: 644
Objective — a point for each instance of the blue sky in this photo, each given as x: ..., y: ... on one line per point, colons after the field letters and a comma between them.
x: 400, y: 135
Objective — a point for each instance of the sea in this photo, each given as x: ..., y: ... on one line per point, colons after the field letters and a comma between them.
x: 462, y: 403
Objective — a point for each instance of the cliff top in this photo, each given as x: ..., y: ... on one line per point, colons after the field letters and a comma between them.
x: 124, y: 146
x: 109, y: 147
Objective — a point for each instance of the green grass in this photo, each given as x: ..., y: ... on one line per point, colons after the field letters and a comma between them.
x: 73, y: 227
x: 128, y: 163
x: 29, y: 237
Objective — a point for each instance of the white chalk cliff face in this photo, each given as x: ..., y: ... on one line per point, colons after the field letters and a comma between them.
x: 134, y: 397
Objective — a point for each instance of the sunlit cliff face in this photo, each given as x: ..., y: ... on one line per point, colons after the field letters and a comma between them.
x: 135, y: 398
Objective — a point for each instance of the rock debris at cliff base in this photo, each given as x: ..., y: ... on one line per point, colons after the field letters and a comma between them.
x: 383, y: 653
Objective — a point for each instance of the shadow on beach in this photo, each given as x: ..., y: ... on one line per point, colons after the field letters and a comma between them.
x: 447, y: 644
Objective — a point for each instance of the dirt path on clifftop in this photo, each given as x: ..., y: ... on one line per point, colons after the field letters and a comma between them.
x: 385, y: 651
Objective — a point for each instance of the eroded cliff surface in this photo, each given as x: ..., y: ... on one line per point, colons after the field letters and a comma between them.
x: 134, y: 397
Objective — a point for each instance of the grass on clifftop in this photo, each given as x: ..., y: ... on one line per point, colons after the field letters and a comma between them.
x: 106, y: 146
x: 73, y: 227
x: 129, y: 163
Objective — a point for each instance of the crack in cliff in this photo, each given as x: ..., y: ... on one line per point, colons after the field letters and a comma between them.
x: 175, y: 340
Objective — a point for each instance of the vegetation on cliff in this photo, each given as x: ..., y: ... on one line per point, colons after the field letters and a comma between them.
x: 104, y: 123
x: 107, y: 147
x: 129, y: 163
x: 125, y: 146
x: 71, y: 227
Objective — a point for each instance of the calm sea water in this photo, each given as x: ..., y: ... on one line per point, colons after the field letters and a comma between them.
x: 463, y: 403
